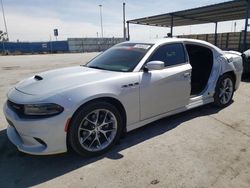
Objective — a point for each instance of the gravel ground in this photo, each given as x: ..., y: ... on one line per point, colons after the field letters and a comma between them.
x: 204, y: 147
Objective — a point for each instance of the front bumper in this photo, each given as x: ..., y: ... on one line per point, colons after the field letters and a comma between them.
x: 37, y: 136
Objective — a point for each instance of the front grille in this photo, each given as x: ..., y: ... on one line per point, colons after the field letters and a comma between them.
x: 18, y: 108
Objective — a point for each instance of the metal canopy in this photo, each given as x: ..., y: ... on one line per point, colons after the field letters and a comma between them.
x: 226, y: 11
x: 232, y: 10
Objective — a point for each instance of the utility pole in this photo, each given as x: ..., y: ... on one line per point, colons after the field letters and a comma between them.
x: 6, y: 30
x: 124, y: 22
x: 101, y: 20
x: 128, y: 38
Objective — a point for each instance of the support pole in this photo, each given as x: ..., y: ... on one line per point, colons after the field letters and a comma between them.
x: 215, y: 34
x: 171, y: 27
x: 128, y: 37
x: 4, y: 20
x: 246, y: 25
x: 124, y: 22
x: 101, y: 20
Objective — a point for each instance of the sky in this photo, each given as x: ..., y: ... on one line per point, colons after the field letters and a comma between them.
x: 34, y: 20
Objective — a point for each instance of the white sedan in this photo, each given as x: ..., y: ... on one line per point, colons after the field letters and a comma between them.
x: 131, y: 84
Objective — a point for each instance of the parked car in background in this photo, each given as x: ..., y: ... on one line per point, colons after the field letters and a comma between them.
x: 246, y: 63
x: 131, y: 84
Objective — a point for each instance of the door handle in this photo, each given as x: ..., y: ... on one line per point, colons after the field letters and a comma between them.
x: 186, y: 74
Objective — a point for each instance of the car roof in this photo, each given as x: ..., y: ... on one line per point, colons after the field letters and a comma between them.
x: 169, y: 40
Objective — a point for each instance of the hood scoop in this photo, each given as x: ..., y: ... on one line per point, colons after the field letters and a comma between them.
x: 37, y: 77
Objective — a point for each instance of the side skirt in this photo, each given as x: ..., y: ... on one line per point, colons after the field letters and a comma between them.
x: 193, y: 103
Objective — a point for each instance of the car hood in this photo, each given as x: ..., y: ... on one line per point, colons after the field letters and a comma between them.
x: 61, y: 79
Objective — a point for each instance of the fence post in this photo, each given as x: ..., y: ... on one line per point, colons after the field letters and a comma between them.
x: 239, y: 44
x: 227, y: 39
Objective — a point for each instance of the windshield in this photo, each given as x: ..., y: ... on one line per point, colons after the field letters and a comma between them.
x: 122, y: 57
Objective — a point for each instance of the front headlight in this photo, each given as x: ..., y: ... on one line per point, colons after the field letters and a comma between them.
x: 48, y: 109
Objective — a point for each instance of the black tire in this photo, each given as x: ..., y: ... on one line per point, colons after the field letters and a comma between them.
x: 217, y: 96
x: 84, y: 111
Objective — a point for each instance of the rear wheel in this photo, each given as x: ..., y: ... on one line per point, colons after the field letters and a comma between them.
x: 95, y: 128
x: 224, y: 91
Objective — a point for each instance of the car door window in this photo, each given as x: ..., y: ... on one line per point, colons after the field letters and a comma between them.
x: 170, y: 54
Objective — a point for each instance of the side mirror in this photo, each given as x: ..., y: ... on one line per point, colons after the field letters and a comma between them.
x: 154, y: 65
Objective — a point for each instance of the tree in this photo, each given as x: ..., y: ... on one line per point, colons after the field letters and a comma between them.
x: 3, y: 36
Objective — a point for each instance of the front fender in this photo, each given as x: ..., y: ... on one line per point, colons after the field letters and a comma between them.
x: 128, y: 97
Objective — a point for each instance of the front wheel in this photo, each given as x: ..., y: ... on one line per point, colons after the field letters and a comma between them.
x: 224, y: 91
x: 95, y: 128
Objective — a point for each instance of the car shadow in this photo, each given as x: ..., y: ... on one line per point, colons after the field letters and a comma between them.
x: 22, y: 170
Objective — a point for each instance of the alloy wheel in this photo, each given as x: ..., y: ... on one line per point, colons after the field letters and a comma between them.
x: 97, y: 130
x: 226, y: 90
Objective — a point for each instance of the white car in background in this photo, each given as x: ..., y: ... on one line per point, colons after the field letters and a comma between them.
x: 129, y: 85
